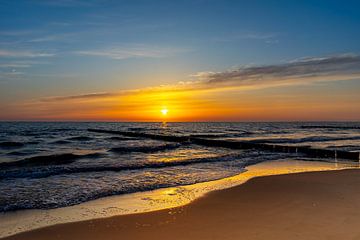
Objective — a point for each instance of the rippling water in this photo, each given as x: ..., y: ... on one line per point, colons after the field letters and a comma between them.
x: 50, y: 165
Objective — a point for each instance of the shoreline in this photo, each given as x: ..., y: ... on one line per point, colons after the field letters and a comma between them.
x: 306, y: 205
x: 143, y: 202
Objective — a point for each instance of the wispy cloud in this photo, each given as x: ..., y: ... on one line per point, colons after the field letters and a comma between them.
x: 299, y: 71
x: 259, y: 36
x: 296, y: 72
x: 24, y: 54
x: 79, y: 97
x: 21, y: 64
x: 11, y: 75
x: 120, y: 53
x: 266, y: 37
x: 14, y: 65
x: 48, y: 38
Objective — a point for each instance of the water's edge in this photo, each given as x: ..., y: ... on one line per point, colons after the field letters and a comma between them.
x: 20, y: 221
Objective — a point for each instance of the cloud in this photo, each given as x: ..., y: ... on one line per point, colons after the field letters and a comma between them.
x: 16, y: 70
x: 120, y: 53
x: 14, y: 65
x: 11, y: 75
x: 202, y: 75
x: 45, y: 39
x: 258, y: 36
x: 299, y: 71
x: 20, y: 64
x: 79, y: 97
x: 266, y: 37
x: 296, y: 72
x: 24, y: 54
x: 64, y: 37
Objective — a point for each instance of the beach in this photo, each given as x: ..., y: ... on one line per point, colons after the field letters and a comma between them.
x: 179, y: 120
x: 312, y: 205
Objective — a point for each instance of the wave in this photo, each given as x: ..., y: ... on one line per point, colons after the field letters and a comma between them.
x: 145, y: 149
x: 122, y: 138
x: 209, y: 135
x: 56, y: 159
x: 9, y: 144
x: 42, y: 173
x: 79, y: 195
x: 59, y: 197
x: 80, y: 138
x: 30, y: 134
x: 137, y: 129
x: 345, y: 147
x: 62, y: 129
x: 306, y: 139
x: 330, y: 127
x: 16, y: 153
x: 61, y: 142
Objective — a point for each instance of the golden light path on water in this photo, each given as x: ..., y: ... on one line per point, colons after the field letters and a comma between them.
x: 166, y: 198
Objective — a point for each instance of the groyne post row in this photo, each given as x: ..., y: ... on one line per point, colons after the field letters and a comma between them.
x: 313, y: 152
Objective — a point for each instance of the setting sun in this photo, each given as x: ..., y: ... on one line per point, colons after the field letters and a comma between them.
x: 164, y: 111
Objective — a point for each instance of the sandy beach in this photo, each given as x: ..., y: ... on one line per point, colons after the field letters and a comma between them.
x: 179, y: 120
x: 313, y: 205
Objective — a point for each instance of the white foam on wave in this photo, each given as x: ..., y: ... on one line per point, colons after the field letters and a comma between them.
x: 166, y: 198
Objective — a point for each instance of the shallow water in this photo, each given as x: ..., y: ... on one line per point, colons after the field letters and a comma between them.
x: 51, y: 165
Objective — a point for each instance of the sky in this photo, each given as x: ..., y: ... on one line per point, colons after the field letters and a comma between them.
x: 199, y: 60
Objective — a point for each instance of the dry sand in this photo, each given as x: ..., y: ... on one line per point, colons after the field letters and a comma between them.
x: 313, y: 205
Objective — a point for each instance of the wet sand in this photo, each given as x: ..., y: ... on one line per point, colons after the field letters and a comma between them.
x: 313, y: 205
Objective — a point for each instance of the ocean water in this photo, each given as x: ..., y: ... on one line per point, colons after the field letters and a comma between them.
x: 51, y: 165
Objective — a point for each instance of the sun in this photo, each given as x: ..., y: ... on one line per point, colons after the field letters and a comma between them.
x: 164, y: 111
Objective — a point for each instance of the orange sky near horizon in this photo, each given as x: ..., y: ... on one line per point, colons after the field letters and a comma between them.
x: 314, y: 89
x: 314, y: 102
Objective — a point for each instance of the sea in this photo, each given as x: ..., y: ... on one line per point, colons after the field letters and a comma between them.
x: 46, y: 165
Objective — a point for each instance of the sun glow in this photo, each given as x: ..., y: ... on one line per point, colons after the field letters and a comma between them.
x: 164, y: 111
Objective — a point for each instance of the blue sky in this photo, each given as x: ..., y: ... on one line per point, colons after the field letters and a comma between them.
x: 69, y: 47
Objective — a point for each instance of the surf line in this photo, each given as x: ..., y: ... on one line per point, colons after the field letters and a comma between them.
x: 233, y: 144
